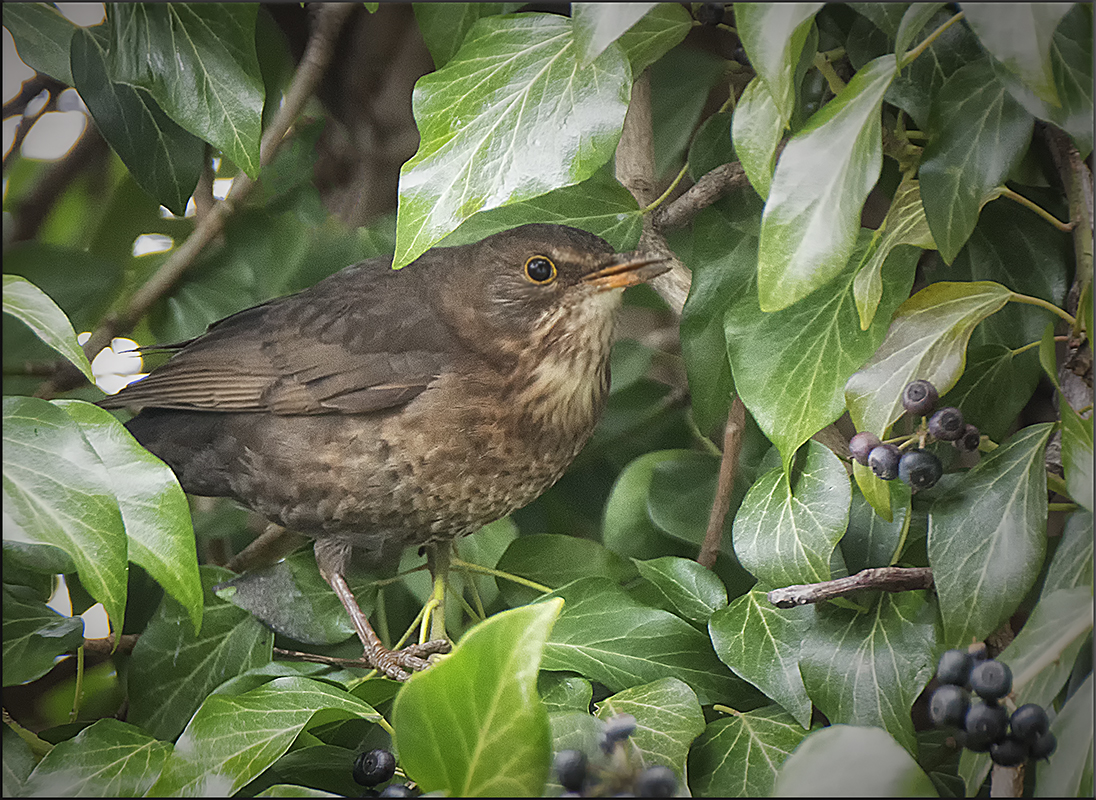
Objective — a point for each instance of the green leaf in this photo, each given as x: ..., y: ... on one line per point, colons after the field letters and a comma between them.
x: 668, y: 719
x: 682, y: 491
x: 872, y: 540
x: 473, y: 725
x: 1068, y: 772
x: 661, y: 29
x: 19, y: 761
x: 978, y: 134
x: 163, y: 158
x: 443, y: 26
x: 58, y: 491
x: 555, y: 560
x: 172, y: 670
x: 809, y: 227
x: 868, y: 668
x: 756, y: 129
x: 760, y: 643
x: 996, y: 385
x: 876, y: 492
x: 34, y: 636
x: 694, y: 591
x: 233, y: 739
x: 987, y: 537
x: 627, y: 527
x: 598, y: 25
x: 740, y: 756
x: 846, y: 761
x: 106, y: 759
x: 510, y: 117
x: 563, y: 693
x: 1072, y: 562
x: 1019, y: 36
x: 904, y: 224
x: 927, y: 339
x: 609, y: 637
x: 1077, y: 454
x: 29, y: 304
x: 773, y: 35
x: 916, y: 16
x: 785, y: 532
x: 41, y: 35
x: 199, y: 63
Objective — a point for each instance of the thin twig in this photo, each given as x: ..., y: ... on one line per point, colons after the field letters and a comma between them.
x: 709, y: 188
x: 728, y: 466
x: 887, y: 579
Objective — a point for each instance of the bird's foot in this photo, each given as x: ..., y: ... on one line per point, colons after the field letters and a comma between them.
x: 399, y: 664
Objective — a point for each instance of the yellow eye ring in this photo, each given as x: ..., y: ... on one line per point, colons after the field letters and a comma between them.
x: 540, y: 270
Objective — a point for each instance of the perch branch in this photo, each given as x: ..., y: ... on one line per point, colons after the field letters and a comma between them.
x: 728, y: 465
x: 887, y: 579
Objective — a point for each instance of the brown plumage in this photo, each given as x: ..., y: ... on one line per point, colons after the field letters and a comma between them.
x: 381, y: 409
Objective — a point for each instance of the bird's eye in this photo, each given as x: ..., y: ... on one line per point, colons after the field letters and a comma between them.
x: 539, y: 269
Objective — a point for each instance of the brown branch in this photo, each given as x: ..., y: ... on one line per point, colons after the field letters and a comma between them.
x: 105, y: 647
x: 321, y: 45
x: 31, y: 88
x: 887, y: 579
x: 331, y: 661
x: 711, y: 186
x: 728, y: 466
x: 27, y: 122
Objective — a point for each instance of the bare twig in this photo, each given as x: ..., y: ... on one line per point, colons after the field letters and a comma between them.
x: 887, y: 579
x: 711, y: 186
x: 31, y: 88
x: 105, y: 647
x: 274, y: 543
x: 728, y: 465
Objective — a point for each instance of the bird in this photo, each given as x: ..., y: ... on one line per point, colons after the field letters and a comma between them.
x: 382, y: 409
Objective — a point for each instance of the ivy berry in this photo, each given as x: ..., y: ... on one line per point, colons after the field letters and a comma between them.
x: 919, y: 397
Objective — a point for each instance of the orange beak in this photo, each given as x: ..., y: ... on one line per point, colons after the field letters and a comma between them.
x: 627, y: 273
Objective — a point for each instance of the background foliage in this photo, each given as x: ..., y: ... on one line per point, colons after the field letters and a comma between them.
x: 902, y: 167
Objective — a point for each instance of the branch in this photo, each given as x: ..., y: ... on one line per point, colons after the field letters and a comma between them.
x: 728, y: 465
x: 887, y: 579
x: 703, y: 193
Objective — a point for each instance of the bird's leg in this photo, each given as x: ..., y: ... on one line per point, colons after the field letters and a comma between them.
x: 331, y: 557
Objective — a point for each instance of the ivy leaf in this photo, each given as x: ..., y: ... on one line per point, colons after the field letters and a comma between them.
x: 987, y: 536
x: 773, y: 35
x: 473, y: 725
x: 41, y: 35
x: 785, y: 531
x: 756, y: 129
x: 927, y: 339
x: 444, y: 25
x: 34, y: 635
x: 812, y: 215
x: 29, y: 304
x: 510, y: 117
x: 913, y: 20
x: 692, y: 590
x: 977, y: 135
x: 598, y: 25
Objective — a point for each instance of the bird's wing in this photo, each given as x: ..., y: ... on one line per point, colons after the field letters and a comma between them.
x: 353, y: 343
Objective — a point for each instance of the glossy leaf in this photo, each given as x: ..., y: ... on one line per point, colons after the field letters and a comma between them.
x: 809, y: 227
x: 107, y: 759
x: 598, y: 25
x: 190, y: 666
x: 41, y: 35
x: 756, y: 129
x: 472, y: 725
x: 785, y: 534
x: 915, y: 18
x: 871, y: 540
x: 563, y: 693
x: 1068, y: 772
x: 163, y: 158
x: 995, y: 387
x: 740, y: 756
x: 844, y: 761
x: 693, y: 591
x: 628, y: 529
x: 232, y: 739
x: 555, y: 560
x: 444, y: 25
x: 978, y: 134
x: 1077, y: 454
x: 29, y: 304
x: 773, y: 35
x: 760, y: 643
x: 659, y: 30
x: 987, y: 536
x: 58, y: 491
x: 927, y: 339
x: 609, y: 637
x: 1019, y: 36
x: 682, y: 491
x: 510, y: 117
x: 34, y: 636
x: 904, y: 224
x: 198, y: 61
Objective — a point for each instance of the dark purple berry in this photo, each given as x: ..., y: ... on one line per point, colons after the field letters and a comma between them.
x: 1029, y: 722
x: 919, y: 398
x: 1044, y: 746
x: 954, y: 667
x: 1009, y: 752
x: 617, y: 729
x: 374, y: 767
x: 861, y: 445
x: 947, y: 424
x: 984, y: 725
x: 948, y: 706
x: 968, y: 441
x: 710, y: 13
x: 656, y: 781
x: 991, y: 679
x: 571, y: 769
x: 920, y: 469
x: 397, y: 790
x: 883, y: 461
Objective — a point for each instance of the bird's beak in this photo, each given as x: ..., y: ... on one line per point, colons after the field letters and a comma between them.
x: 632, y: 270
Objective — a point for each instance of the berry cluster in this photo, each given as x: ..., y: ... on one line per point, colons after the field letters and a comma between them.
x: 986, y: 726
x: 374, y: 767
x: 618, y: 777
x: 917, y: 467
